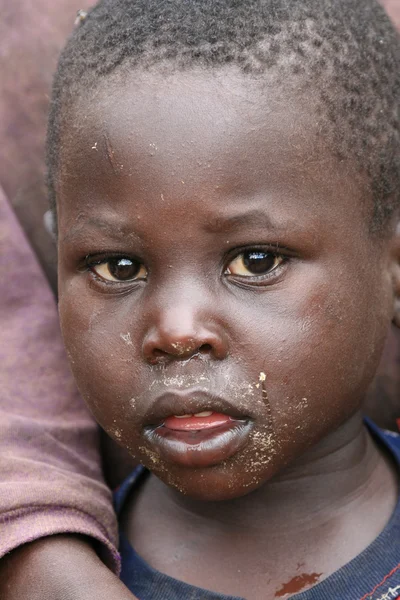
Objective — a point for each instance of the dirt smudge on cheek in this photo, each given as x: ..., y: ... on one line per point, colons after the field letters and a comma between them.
x: 254, y: 460
x: 258, y: 456
x: 152, y: 456
x: 93, y: 318
x: 159, y: 468
x: 298, y: 583
x: 264, y: 448
x: 127, y: 338
x: 245, y: 394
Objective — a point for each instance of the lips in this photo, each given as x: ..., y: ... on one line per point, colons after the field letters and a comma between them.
x: 194, y: 429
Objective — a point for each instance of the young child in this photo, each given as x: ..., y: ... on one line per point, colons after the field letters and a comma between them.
x: 225, y: 176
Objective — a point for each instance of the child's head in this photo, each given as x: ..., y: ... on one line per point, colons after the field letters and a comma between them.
x: 226, y: 176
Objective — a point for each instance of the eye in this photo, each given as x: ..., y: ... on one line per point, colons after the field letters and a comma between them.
x: 254, y: 263
x: 120, y: 269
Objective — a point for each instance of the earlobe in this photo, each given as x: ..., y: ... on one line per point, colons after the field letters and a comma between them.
x: 396, y: 312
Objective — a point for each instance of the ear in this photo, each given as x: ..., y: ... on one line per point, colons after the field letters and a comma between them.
x: 49, y: 224
x: 396, y: 275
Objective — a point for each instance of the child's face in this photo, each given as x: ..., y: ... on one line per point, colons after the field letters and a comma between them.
x: 229, y: 269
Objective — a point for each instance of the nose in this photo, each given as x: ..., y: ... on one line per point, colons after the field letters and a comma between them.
x: 180, y: 333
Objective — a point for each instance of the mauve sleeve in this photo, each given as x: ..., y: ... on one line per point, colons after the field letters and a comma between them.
x: 50, y: 473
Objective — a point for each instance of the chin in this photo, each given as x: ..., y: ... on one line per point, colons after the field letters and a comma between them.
x: 215, y: 484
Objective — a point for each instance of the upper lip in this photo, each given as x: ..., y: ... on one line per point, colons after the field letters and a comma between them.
x: 178, y: 402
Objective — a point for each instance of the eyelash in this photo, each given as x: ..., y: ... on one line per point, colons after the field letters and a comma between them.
x: 274, y: 250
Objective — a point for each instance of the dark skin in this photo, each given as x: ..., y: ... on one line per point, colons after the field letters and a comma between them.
x: 22, y: 176
x: 164, y: 193
x: 60, y: 567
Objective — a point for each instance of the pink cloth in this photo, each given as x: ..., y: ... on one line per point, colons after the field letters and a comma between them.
x: 50, y: 471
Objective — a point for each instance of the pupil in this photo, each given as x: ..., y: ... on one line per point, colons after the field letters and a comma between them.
x: 123, y: 268
x: 258, y: 262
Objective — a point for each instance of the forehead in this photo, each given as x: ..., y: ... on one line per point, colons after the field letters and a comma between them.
x: 200, y: 133
x: 201, y: 112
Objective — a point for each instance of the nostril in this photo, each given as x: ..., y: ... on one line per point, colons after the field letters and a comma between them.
x: 205, y: 349
x: 159, y: 353
x: 181, y: 350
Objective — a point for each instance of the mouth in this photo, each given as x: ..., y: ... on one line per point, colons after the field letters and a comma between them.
x: 195, y: 429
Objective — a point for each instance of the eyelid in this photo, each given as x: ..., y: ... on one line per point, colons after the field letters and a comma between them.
x: 270, y: 248
x: 273, y: 248
x: 91, y: 260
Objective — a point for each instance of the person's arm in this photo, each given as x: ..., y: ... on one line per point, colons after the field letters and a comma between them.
x: 50, y: 474
x: 58, y: 568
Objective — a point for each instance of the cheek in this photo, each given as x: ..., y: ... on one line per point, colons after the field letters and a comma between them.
x: 320, y: 352
x: 102, y: 357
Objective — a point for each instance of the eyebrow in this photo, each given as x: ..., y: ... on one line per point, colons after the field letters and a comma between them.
x: 114, y: 230
x: 255, y: 218
x: 215, y: 225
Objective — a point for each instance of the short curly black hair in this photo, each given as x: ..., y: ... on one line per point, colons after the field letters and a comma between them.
x: 348, y: 50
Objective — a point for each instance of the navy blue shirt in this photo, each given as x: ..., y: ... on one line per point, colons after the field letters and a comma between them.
x: 372, y: 575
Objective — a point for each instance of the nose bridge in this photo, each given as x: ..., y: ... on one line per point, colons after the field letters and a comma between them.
x: 179, y: 294
x: 181, y: 322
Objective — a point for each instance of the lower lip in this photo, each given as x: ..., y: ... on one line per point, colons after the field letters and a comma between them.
x: 199, y: 442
